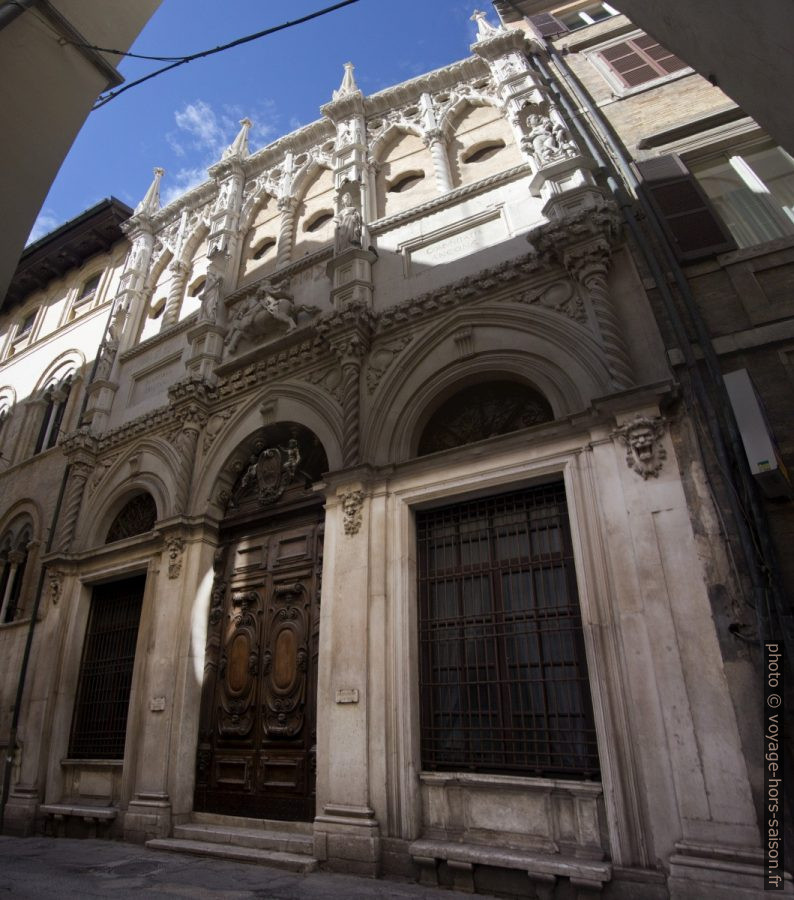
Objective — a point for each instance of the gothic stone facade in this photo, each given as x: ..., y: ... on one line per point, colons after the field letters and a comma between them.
x: 382, y: 457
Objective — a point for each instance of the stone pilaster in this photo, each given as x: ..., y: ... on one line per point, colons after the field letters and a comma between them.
x: 589, y: 264
x: 80, y: 450
x: 350, y: 344
x: 346, y: 830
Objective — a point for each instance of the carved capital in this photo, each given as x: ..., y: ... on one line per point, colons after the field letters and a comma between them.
x: 80, y: 444
x: 588, y: 261
x: 433, y: 136
x: 287, y: 204
x: 642, y: 437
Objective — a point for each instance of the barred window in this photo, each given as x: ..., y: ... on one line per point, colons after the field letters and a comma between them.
x: 503, y: 676
x: 99, y: 724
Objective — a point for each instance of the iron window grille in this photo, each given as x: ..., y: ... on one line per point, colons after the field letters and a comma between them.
x: 503, y: 677
x: 99, y: 725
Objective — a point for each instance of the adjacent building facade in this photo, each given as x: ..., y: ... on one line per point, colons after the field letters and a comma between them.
x: 359, y: 504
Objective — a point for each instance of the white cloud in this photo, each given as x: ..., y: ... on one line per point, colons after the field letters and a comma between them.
x: 46, y: 221
x: 183, y: 181
x: 203, y: 133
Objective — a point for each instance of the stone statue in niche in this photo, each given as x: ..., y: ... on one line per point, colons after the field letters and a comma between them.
x: 260, y: 315
x: 210, y: 295
x: 548, y: 140
x: 106, y: 357
x: 643, y: 440
x: 349, y: 224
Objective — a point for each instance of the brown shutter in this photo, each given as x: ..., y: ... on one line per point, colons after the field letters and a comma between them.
x: 632, y: 69
x: 693, y: 227
x: 668, y: 62
x: 547, y: 25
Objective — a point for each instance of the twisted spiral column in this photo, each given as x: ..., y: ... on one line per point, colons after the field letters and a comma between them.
x: 186, y: 442
x: 288, y: 207
x: 438, y: 151
x: 351, y: 369
x: 74, y: 498
x: 175, y: 293
x: 591, y: 270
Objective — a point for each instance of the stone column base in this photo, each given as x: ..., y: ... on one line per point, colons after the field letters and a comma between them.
x: 347, y: 839
x: 148, y: 816
x: 719, y: 874
x: 19, y: 817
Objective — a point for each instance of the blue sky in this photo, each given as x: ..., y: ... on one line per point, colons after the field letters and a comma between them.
x: 183, y: 119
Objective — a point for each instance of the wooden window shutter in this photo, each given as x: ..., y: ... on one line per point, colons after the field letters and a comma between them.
x: 640, y: 60
x: 668, y: 62
x: 548, y: 25
x: 692, y: 225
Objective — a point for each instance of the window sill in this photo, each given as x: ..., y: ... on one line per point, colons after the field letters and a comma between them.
x: 516, y: 782
x: 8, y: 626
x: 93, y: 763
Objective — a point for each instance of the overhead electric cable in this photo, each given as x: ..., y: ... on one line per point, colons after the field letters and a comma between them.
x: 181, y: 60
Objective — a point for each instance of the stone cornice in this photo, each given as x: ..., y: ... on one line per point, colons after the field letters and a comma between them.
x: 439, y: 79
x: 195, y: 198
x: 379, y: 226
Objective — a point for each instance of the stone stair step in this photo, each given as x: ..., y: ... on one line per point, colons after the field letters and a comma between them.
x: 256, y: 838
x: 292, y: 862
x: 202, y: 818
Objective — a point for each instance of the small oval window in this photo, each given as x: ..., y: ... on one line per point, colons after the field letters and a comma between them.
x: 322, y: 218
x: 483, y: 152
x: 197, y: 287
x: 264, y: 247
x: 405, y: 182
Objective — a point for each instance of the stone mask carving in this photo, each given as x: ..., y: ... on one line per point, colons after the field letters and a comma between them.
x: 643, y: 440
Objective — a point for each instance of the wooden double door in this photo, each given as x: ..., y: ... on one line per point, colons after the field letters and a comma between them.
x: 257, y: 732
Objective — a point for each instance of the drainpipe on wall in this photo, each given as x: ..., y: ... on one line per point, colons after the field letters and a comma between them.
x: 770, y: 603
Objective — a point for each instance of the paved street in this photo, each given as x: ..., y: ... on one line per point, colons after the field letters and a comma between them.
x: 61, y: 868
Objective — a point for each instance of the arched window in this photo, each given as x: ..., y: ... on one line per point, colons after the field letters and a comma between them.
x: 405, y: 182
x: 56, y: 397
x: 13, y: 562
x: 481, y: 411
x: 484, y: 151
x: 137, y: 516
x: 317, y: 221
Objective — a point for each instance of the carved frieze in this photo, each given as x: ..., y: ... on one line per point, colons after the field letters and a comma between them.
x: 381, y: 359
x: 216, y: 424
x: 562, y: 297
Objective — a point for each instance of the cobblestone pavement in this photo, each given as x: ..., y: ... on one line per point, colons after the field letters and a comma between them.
x: 61, y: 869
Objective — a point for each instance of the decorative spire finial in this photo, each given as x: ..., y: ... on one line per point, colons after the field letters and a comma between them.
x: 348, y: 85
x: 484, y: 27
x: 151, y: 200
x: 239, y: 146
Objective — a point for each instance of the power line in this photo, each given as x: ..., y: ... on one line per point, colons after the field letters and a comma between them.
x: 182, y: 60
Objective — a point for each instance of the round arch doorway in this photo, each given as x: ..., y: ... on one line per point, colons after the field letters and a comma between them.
x: 257, y: 726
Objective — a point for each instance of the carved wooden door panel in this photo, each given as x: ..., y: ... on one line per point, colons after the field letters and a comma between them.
x: 257, y: 731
